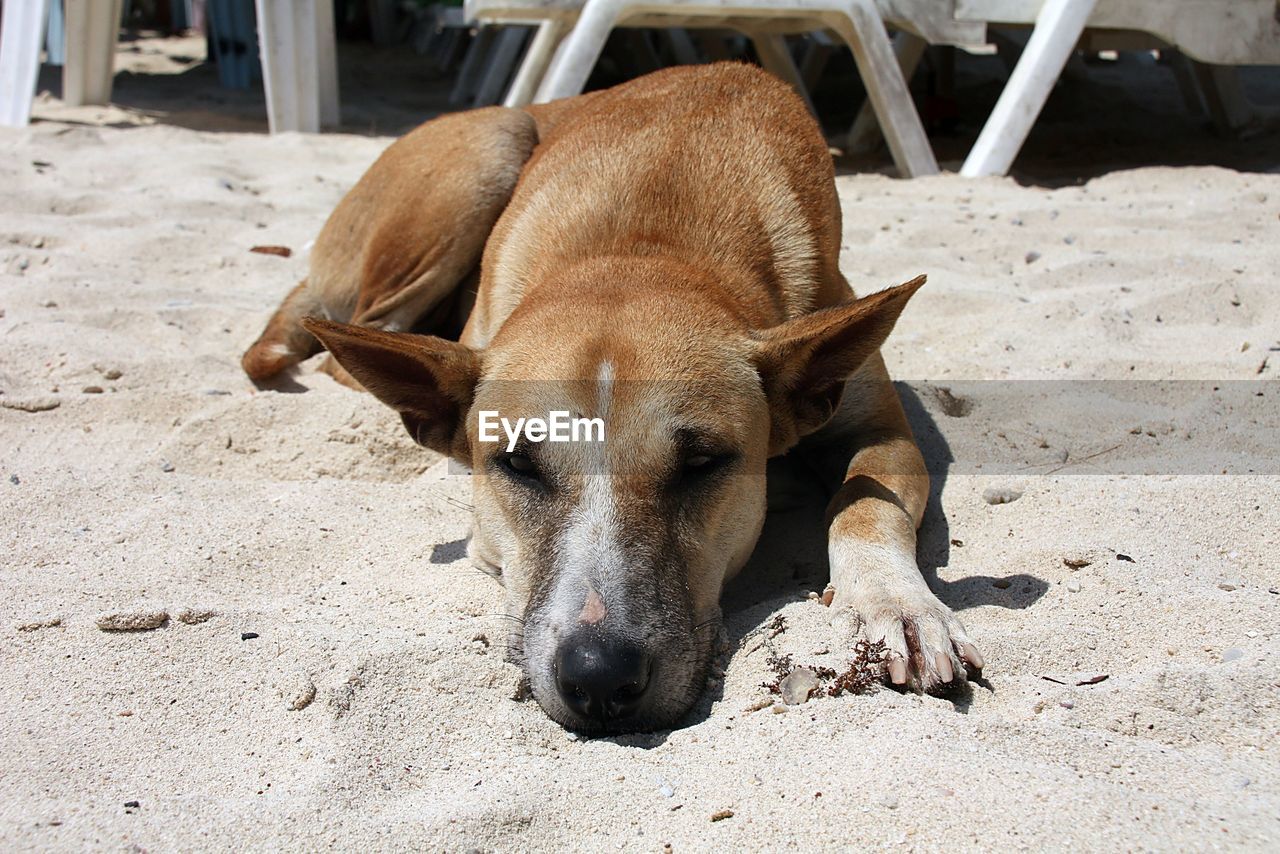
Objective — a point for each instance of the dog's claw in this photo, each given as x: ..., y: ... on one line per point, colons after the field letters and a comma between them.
x: 969, y: 653
x: 943, y: 662
x: 897, y: 671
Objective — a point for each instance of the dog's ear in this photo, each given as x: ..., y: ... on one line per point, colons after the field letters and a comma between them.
x: 428, y: 380
x: 804, y: 362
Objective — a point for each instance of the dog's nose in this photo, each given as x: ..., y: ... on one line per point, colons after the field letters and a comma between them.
x: 601, y: 677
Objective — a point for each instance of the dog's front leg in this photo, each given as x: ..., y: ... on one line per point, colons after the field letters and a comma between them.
x: 871, y: 524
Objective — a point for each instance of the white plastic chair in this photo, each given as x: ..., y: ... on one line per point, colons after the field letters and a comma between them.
x: 580, y: 30
x: 296, y: 40
x: 1225, y: 33
x: 91, y: 27
x: 299, y: 64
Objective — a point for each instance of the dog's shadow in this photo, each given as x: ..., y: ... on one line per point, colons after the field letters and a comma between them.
x: 790, y: 559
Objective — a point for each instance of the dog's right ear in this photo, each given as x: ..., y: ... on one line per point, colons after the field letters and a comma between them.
x: 428, y: 380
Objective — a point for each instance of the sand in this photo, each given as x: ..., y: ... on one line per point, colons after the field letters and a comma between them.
x: 313, y: 662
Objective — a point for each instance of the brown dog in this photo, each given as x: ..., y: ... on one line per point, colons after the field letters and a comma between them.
x: 660, y: 259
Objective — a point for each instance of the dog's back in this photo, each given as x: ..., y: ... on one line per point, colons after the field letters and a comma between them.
x: 719, y: 163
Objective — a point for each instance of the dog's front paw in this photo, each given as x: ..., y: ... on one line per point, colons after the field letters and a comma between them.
x: 925, y: 645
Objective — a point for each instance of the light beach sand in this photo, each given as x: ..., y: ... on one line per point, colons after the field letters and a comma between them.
x: 374, y: 708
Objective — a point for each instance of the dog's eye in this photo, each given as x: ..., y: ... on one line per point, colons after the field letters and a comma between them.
x: 698, y: 466
x: 521, y: 466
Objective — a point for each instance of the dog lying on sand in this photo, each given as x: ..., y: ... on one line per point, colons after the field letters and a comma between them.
x: 661, y: 259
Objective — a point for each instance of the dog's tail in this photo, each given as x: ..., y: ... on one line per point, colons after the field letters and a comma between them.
x: 284, y: 343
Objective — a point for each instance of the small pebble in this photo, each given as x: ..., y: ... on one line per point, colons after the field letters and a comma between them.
x: 1073, y: 586
x: 92, y: 389
x: 1032, y: 257
x: 798, y: 685
x: 132, y: 805
x: 1233, y: 654
x: 1001, y: 495
x: 166, y: 466
x: 194, y: 616
x: 1001, y: 583
x: 37, y: 625
x: 1067, y: 704
x: 304, y: 693
x: 112, y: 374
x: 1230, y: 585
x: 666, y: 791
x: 36, y: 404
x: 721, y: 815
x: 247, y: 636
x: 1076, y: 562
x: 13, y: 478
x: 137, y: 621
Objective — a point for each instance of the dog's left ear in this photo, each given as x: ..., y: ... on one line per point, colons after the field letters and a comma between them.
x: 804, y: 362
x: 428, y: 380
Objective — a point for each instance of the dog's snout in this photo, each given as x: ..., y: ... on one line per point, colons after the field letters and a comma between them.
x: 600, y: 677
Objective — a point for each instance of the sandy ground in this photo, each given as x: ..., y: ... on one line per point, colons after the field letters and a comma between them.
x: 329, y: 670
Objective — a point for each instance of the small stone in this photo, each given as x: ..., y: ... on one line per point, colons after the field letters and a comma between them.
x: 166, y: 466
x: 194, y: 616
x: 1230, y: 585
x: 37, y: 625
x: 31, y: 404
x: 798, y: 685
x: 1001, y: 495
x: 136, y: 621
x: 304, y: 692
x: 1076, y: 562
x: 1001, y: 583
x: 890, y: 803
x: 1233, y: 654
x: 1067, y: 704
x: 1032, y: 257
x: 721, y: 815
x: 665, y: 790
x: 248, y: 636
x: 132, y: 805
x: 91, y: 389
x: 1073, y: 586
x: 112, y: 374
x: 15, y: 480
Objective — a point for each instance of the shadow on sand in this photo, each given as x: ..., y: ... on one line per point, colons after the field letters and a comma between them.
x: 790, y: 559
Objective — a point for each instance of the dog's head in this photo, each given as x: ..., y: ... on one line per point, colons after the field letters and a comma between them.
x: 613, y: 547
